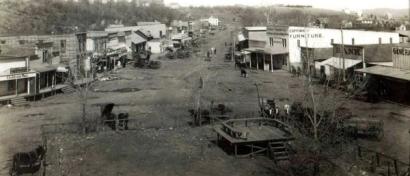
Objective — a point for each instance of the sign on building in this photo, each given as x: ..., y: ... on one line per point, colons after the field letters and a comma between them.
x: 401, y: 57
x: 278, y: 35
x: 348, y: 51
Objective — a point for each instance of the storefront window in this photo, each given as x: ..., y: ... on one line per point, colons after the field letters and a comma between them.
x: 22, y: 86
x: 7, y: 88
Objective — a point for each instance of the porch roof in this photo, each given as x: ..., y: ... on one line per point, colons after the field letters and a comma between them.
x: 337, y: 62
x: 272, y: 51
x: 387, y: 72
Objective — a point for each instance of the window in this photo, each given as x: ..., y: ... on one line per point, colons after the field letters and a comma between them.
x: 332, y: 41
x: 352, y: 41
x: 284, y: 43
x: 3, y: 42
x: 160, y: 34
x: 271, y: 41
x: 63, y: 46
x: 380, y: 40
x: 391, y: 40
x: 22, y: 42
x: 11, y: 85
x: 298, y: 43
x: 45, y: 56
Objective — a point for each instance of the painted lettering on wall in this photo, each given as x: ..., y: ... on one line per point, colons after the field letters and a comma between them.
x: 17, y: 76
x: 296, y: 36
x: 349, y: 50
x: 401, y: 51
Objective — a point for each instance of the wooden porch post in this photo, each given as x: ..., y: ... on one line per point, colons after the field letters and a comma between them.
x: 17, y: 88
x: 236, y: 150
x: 250, y: 63
x: 257, y: 61
x: 271, y: 63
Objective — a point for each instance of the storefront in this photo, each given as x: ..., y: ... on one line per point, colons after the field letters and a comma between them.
x: 18, y: 84
x: 390, y: 83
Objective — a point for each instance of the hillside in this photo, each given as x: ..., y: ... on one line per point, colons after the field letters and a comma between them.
x: 56, y: 17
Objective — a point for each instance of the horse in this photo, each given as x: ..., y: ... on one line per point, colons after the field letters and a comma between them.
x: 27, y: 162
x: 112, y: 120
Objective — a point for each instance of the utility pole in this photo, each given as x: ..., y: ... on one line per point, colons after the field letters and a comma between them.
x: 259, y: 100
x: 343, y: 55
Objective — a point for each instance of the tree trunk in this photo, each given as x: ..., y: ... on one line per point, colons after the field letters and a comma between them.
x: 84, y: 118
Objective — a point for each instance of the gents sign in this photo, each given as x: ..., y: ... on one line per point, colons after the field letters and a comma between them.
x: 401, y: 51
x: 400, y: 57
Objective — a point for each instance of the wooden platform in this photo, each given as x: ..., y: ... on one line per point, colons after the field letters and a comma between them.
x: 255, y: 133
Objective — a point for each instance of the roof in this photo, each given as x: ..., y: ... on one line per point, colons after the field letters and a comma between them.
x: 7, y: 52
x: 97, y: 34
x: 404, y: 33
x: 144, y: 23
x: 387, y: 72
x: 256, y: 28
x: 387, y: 64
x: 138, y: 39
x: 337, y: 62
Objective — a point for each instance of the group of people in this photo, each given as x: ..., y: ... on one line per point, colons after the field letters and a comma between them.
x: 273, y: 110
x: 210, y: 52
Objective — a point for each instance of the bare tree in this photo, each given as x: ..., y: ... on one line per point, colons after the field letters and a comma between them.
x: 83, y: 81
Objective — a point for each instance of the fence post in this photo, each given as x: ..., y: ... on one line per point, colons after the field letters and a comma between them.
x: 359, y: 151
x: 396, y: 168
x: 377, y: 159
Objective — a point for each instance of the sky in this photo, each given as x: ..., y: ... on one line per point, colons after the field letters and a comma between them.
x: 327, y: 4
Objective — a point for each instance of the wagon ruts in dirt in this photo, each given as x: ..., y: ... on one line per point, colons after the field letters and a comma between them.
x: 114, y: 121
x: 362, y: 127
x: 27, y: 162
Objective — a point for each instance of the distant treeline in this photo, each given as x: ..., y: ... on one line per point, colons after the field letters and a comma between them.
x: 61, y: 16
x: 253, y: 16
x: 66, y: 16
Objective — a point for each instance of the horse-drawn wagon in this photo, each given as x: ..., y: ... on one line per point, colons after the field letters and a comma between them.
x: 27, y: 162
x: 363, y: 127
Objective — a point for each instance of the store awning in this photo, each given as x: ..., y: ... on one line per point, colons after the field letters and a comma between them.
x: 62, y: 69
x: 272, y: 51
x: 337, y: 62
x: 43, y: 68
x: 387, y: 72
x: 245, y: 52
